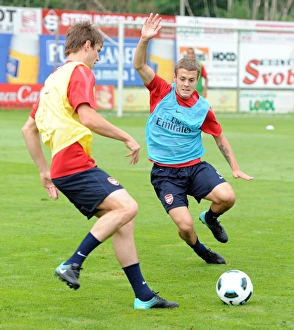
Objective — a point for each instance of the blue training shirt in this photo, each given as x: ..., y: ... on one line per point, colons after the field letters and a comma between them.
x: 173, y: 133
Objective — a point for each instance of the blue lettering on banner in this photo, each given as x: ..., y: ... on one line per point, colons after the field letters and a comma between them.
x: 105, y: 71
x: 55, y: 52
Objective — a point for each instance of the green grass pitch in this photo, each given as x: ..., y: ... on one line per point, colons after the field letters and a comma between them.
x: 38, y: 233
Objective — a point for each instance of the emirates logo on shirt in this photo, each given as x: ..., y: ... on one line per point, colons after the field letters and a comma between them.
x: 169, y: 198
x: 113, y: 181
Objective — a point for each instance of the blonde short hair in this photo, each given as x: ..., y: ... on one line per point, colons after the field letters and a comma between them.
x: 189, y: 64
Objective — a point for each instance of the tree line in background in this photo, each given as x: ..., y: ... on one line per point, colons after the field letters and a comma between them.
x: 273, y: 10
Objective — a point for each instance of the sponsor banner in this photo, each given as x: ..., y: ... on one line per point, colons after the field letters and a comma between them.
x: 266, y: 101
x: 204, y: 29
x: 58, y: 22
x: 134, y: 99
x: 19, y: 59
x: 20, y: 20
x: 18, y: 96
x: 24, y: 96
x: 106, y: 70
x: 35, y: 65
x: 263, y: 66
x: 223, y: 100
x: 220, y: 61
x: 215, y: 45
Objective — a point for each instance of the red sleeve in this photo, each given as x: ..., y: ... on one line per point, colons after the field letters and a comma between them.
x: 203, y: 72
x: 211, y: 125
x: 158, y: 89
x: 81, y: 87
x: 34, y: 109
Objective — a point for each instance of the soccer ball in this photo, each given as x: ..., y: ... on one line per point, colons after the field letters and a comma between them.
x: 234, y: 287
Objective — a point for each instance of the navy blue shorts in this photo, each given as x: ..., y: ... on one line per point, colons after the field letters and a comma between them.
x: 87, y: 189
x: 172, y: 185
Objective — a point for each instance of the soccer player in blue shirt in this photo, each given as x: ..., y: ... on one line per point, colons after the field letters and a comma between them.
x: 178, y: 116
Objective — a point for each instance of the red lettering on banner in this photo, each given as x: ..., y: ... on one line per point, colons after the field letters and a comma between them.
x: 267, y: 78
x: 58, y: 21
x: 290, y: 77
x: 251, y: 70
x: 18, y: 96
x: 278, y: 78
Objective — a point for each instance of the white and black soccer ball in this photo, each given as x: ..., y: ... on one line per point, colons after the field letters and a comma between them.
x: 234, y: 287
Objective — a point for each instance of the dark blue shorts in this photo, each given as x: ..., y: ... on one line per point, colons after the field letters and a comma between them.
x: 87, y: 189
x: 173, y: 185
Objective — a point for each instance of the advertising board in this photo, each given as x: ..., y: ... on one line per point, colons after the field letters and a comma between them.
x: 23, y: 96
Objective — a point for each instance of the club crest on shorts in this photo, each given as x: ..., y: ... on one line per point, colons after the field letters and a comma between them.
x: 113, y: 181
x: 169, y: 198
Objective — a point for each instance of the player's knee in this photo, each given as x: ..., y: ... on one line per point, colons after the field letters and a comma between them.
x: 227, y: 196
x: 231, y: 199
x: 185, y: 229
x: 133, y: 208
x: 130, y: 209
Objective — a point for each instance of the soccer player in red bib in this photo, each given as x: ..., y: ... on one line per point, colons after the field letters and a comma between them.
x: 65, y: 117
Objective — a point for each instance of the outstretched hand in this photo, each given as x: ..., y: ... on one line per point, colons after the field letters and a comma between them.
x: 151, y: 26
x: 52, y: 191
x: 239, y: 174
x: 135, y: 150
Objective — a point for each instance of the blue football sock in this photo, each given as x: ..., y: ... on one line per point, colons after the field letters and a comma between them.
x: 211, y: 217
x: 139, y: 285
x: 88, y: 245
x: 199, y: 248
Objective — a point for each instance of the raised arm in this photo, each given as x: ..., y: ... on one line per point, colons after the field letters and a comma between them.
x: 225, y: 148
x: 149, y: 30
